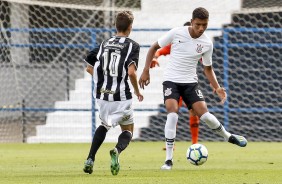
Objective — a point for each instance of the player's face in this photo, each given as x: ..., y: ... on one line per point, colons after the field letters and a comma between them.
x: 199, y: 26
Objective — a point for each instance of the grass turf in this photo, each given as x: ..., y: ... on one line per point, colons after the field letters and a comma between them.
x: 258, y: 163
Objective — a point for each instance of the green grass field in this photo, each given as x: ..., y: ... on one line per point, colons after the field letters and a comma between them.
x: 258, y: 163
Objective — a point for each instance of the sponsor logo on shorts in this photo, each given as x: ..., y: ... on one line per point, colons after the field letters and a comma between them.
x: 167, y: 92
x: 199, y: 93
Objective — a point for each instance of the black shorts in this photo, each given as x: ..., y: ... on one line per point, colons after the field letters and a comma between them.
x: 189, y: 92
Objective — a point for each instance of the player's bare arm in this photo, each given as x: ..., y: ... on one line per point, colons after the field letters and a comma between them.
x: 89, y: 69
x: 133, y: 79
x: 209, y: 72
x: 145, y: 76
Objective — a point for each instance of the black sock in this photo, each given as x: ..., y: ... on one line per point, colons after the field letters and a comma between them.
x: 98, y: 139
x: 123, y: 140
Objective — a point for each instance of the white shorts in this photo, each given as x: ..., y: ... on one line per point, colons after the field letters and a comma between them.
x: 115, y: 113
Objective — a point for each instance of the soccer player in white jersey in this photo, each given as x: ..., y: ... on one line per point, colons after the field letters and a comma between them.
x: 189, y: 44
x: 111, y: 65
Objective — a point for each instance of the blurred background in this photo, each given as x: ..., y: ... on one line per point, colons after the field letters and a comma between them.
x: 45, y: 93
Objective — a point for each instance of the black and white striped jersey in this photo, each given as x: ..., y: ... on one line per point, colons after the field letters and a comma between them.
x: 110, y: 62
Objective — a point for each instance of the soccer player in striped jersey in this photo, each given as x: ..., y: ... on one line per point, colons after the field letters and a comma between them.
x: 189, y: 44
x: 193, y: 118
x: 112, y: 64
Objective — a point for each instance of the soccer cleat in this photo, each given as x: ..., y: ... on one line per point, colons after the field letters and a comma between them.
x: 237, y: 139
x: 114, y: 161
x: 88, y: 166
x: 167, y: 166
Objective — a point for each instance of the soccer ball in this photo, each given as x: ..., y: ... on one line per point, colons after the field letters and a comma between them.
x: 197, y: 154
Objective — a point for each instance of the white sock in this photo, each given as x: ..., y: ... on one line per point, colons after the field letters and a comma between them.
x: 170, y: 133
x: 215, y: 125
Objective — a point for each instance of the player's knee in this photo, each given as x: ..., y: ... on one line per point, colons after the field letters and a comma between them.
x: 171, y: 106
x: 128, y: 128
x: 172, y: 109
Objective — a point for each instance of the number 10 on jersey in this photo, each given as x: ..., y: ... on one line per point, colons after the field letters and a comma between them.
x: 110, y: 63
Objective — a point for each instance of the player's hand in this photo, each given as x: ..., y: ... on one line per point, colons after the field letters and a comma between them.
x: 154, y: 63
x: 222, y: 94
x: 144, y: 79
x: 139, y: 96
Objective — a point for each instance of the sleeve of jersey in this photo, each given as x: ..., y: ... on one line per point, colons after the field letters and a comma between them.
x: 134, y: 55
x: 91, y: 58
x: 167, y: 38
x: 207, y: 57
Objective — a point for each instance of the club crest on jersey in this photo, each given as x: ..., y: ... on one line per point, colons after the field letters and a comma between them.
x: 199, y: 93
x: 199, y: 48
x: 167, y: 92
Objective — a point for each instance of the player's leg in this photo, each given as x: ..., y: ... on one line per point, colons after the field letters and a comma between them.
x: 123, y: 141
x: 194, y: 99
x: 201, y: 109
x: 124, y: 117
x: 194, y: 126
x: 125, y: 137
x: 98, y: 139
x: 170, y: 131
x: 179, y: 106
x: 99, y: 135
x: 171, y: 97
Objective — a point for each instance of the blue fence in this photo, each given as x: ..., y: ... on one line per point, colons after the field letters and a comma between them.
x: 226, y: 45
